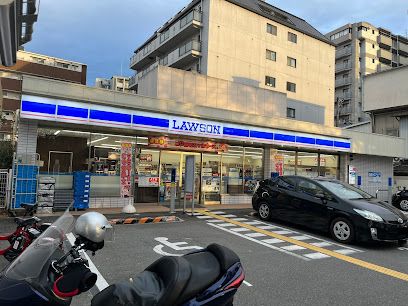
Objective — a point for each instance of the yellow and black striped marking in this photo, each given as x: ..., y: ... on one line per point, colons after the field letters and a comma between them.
x: 162, y: 219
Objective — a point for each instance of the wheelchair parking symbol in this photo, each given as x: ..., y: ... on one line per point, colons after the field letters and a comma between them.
x: 177, y: 247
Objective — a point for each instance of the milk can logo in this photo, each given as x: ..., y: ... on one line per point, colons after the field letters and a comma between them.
x: 195, y: 127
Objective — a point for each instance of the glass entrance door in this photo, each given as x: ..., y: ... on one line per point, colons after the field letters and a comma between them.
x: 170, y: 160
x: 211, y: 179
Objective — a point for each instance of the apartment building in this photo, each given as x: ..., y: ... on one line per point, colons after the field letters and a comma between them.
x: 16, y: 27
x: 362, y: 49
x: 239, y: 51
x: 32, y: 64
x: 117, y: 83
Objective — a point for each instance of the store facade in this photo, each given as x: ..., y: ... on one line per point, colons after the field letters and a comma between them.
x: 229, y: 158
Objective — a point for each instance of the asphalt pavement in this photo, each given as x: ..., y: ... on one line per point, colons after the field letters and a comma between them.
x: 284, y: 264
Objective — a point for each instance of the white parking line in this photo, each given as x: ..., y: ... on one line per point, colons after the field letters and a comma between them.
x: 293, y: 247
x: 266, y: 227
x: 204, y: 217
x: 215, y: 221
x: 316, y: 255
x: 227, y: 225
x: 344, y: 251
x: 253, y: 223
x: 240, y: 229
x: 301, y: 238
x: 101, y: 282
x: 239, y: 219
x: 230, y: 216
x: 248, y: 284
x: 253, y: 235
x: 283, y: 232
x: 272, y: 240
x: 321, y: 244
x: 259, y: 242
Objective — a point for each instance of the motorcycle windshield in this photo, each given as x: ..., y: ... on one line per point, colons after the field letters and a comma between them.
x: 31, y: 262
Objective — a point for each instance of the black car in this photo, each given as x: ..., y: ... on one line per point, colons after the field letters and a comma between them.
x: 329, y: 205
x: 400, y: 200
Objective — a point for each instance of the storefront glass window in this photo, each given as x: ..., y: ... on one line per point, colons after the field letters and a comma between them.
x: 253, y: 170
x: 232, y: 171
x: 307, y: 164
x: 168, y: 162
x: 211, y: 178
x: 147, y: 176
x: 283, y: 162
x: 329, y: 166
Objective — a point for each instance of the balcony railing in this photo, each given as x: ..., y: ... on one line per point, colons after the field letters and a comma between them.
x: 343, y: 52
x: 344, y: 97
x: 343, y: 67
x: 132, y: 81
x: 162, y: 40
x: 345, y: 109
x: 343, y: 81
x: 193, y: 45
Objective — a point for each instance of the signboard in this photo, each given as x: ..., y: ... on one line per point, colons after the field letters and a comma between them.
x: 125, y: 170
x: 92, y: 114
x: 146, y: 181
x: 146, y: 157
x: 352, y: 177
x: 374, y: 177
x: 191, y: 145
x: 279, y: 163
x: 189, y: 176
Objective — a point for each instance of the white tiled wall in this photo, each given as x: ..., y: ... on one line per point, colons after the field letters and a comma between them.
x: 27, y: 137
x: 109, y: 202
x: 236, y: 199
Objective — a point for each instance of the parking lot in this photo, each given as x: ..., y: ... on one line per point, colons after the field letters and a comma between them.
x: 284, y: 264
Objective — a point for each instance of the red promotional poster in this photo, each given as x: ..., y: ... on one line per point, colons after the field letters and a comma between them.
x: 125, y: 170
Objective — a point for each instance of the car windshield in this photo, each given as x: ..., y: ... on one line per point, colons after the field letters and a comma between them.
x: 346, y: 192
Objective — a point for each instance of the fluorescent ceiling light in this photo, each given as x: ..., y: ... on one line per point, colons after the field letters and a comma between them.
x: 97, y: 140
x: 110, y: 145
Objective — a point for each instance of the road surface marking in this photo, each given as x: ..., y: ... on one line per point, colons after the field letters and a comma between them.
x: 240, y: 229
x: 265, y: 227
x: 253, y: 223
x: 227, y: 225
x: 351, y: 260
x: 176, y: 246
x: 230, y: 216
x: 273, y: 240
x: 321, y: 244
x: 283, y: 232
x: 240, y: 219
x: 248, y: 284
x: 261, y: 242
x: 215, y: 221
x: 293, y: 247
x: 344, y: 251
x: 302, y: 237
x: 203, y: 217
x: 101, y: 282
x: 253, y: 235
x: 316, y: 256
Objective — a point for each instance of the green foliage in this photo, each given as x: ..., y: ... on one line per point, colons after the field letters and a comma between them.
x: 6, y: 154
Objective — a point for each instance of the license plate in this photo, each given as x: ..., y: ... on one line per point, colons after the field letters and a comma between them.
x: 16, y: 244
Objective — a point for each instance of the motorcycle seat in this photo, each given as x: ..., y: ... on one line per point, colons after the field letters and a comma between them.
x: 29, y: 206
x: 171, y: 281
x: 26, y: 221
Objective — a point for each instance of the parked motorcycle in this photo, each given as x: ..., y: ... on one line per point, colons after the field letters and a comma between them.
x: 27, y: 230
x: 46, y: 275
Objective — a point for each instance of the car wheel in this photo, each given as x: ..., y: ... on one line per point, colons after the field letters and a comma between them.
x: 342, y: 230
x: 264, y: 211
x: 403, y: 204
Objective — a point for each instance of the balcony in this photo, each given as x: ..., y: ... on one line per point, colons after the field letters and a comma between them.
x: 383, y: 67
x: 343, y: 67
x: 344, y: 97
x: 384, y: 41
x: 403, y: 60
x: 403, y: 48
x: 345, y: 110
x: 186, y: 54
x: 167, y: 40
x: 343, y: 82
x: 133, y: 81
x: 343, y: 52
x: 387, y: 55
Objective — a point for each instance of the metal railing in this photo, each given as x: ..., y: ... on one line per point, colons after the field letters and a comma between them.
x: 343, y: 52
x: 343, y: 67
x: 343, y: 81
x: 192, y: 45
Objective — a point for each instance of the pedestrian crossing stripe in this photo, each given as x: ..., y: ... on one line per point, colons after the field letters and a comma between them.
x: 316, y: 249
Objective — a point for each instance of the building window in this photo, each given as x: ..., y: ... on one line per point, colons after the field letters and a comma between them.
x: 271, y: 29
x: 362, y: 28
x: 270, y: 81
x: 373, y: 32
x: 373, y: 46
x: 292, y: 37
x: 340, y: 34
x: 290, y: 87
x: 291, y: 62
x: 291, y: 113
x: 271, y: 55
x: 373, y: 61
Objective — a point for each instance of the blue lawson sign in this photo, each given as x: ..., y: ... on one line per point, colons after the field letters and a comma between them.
x: 39, y: 108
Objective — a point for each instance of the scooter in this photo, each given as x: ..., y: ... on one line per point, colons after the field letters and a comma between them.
x: 47, y: 275
x: 27, y: 230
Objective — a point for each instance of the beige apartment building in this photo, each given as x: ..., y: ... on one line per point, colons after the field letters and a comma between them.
x: 118, y: 83
x: 362, y: 49
x: 240, y: 54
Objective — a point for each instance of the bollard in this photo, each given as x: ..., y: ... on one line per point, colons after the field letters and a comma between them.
x: 390, y: 190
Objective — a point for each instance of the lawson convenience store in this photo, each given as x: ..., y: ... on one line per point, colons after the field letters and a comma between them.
x: 73, y: 136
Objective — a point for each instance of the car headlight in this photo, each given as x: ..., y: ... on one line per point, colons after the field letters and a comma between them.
x: 369, y: 215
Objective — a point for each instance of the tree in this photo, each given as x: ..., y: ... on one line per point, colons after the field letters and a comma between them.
x: 6, y: 154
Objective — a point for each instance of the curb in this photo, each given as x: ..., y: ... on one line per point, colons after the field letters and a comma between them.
x: 163, y: 219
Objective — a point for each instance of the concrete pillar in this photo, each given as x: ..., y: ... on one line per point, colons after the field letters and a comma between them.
x: 403, y: 128
x: 27, y: 137
x: 344, y: 163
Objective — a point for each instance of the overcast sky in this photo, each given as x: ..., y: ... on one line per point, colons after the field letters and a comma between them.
x: 104, y: 33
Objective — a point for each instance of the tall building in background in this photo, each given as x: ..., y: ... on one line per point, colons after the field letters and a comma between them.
x: 239, y: 51
x: 34, y: 65
x: 117, y: 83
x: 362, y: 49
x: 16, y: 27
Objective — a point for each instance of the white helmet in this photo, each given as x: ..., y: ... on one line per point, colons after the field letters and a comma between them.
x: 92, y: 226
